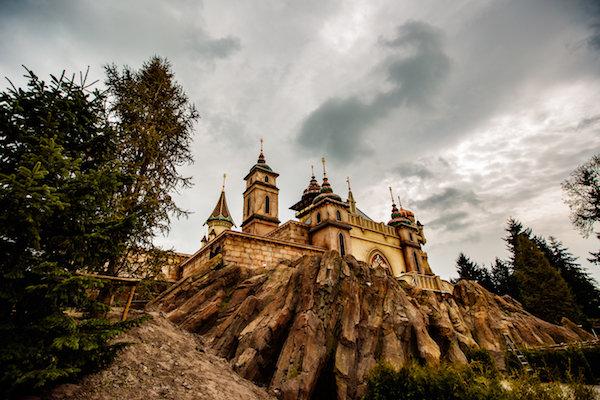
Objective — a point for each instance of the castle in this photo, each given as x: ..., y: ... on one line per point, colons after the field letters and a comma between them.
x: 325, y: 222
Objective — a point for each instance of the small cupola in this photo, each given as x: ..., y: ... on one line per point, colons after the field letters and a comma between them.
x: 326, y: 191
x: 399, y: 216
x: 220, y: 219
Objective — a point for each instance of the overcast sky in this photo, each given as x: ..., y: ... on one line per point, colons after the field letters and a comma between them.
x: 473, y: 111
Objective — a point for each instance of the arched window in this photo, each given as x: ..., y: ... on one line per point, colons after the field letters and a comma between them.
x: 267, y: 205
x: 248, y: 209
x: 338, y: 215
x: 266, y: 179
x: 416, y: 262
x: 342, y: 247
x: 318, y: 217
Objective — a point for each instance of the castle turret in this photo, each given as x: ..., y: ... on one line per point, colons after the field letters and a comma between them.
x: 261, y: 203
x: 220, y: 219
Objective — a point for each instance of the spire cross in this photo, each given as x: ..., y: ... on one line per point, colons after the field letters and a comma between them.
x: 348, y: 180
x: 261, y: 145
x: 392, y: 195
x: 224, y: 176
x: 312, y: 168
x: 324, y: 172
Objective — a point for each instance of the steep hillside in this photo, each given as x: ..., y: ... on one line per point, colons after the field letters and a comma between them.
x: 313, y: 328
x: 165, y: 362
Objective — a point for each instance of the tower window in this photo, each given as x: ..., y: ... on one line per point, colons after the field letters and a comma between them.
x: 267, y: 205
x: 342, y: 247
x: 318, y: 217
x: 266, y: 179
x: 416, y: 262
x: 248, y: 209
x: 338, y: 215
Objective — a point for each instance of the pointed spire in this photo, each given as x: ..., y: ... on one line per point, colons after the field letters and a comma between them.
x: 221, y: 212
x: 399, y: 202
x: 350, y: 200
x: 394, y: 208
x: 325, y: 187
x: 261, y: 157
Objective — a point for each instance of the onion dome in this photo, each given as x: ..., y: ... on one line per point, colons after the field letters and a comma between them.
x: 261, y: 163
x: 313, y: 188
x: 399, y: 215
x: 326, y: 189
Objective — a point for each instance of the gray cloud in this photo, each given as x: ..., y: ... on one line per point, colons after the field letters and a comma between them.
x: 450, y: 197
x: 416, y: 70
x: 409, y: 169
x: 452, y: 221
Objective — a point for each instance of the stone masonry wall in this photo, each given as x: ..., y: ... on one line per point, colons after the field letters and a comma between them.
x: 249, y: 251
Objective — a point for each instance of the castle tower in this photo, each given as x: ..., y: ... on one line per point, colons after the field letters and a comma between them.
x: 220, y: 219
x: 261, y: 203
x: 411, y: 239
x: 328, y: 219
x: 308, y: 196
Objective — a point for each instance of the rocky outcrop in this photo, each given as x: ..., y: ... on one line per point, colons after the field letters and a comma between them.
x: 313, y: 328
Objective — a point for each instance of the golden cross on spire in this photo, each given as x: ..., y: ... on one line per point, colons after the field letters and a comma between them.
x: 261, y: 145
x: 392, y: 195
x: 348, y: 180
x: 324, y: 172
x: 224, y: 176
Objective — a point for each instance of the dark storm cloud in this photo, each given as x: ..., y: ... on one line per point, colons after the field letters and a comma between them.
x: 450, y: 198
x: 409, y: 169
x: 452, y: 221
x: 416, y: 69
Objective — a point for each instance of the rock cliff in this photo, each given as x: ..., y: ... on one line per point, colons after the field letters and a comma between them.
x: 314, y: 327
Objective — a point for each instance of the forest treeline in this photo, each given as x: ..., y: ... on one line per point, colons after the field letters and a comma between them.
x: 86, y: 177
x: 541, y: 274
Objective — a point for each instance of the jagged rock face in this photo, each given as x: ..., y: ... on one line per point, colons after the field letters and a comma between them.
x: 313, y: 328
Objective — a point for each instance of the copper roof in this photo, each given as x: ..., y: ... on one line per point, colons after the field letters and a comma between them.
x: 221, y: 212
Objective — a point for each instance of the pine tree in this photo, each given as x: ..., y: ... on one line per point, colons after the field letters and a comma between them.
x: 502, y: 278
x: 57, y: 180
x: 541, y: 289
x: 470, y: 270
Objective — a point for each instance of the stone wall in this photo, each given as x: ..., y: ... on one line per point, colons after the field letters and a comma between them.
x: 249, y: 251
x: 291, y: 231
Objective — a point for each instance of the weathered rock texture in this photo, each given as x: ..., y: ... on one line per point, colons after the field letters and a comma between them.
x: 313, y: 328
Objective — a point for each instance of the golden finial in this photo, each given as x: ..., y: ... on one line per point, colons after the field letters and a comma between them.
x: 392, y: 196
x: 324, y: 172
x: 399, y: 202
x: 348, y: 180
x: 261, y: 145
x: 312, y: 168
x: 224, y: 176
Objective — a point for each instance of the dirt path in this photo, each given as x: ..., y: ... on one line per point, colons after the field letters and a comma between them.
x: 166, y: 363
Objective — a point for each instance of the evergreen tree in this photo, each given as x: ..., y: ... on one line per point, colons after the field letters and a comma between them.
x: 470, y: 270
x: 582, y: 285
x: 57, y: 180
x: 541, y: 289
x: 502, y: 278
x: 154, y: 121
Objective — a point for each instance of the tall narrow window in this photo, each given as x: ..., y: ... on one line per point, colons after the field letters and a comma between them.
x: 318, y: 217
x: 267, y: 205
x: 266, y: 179
x: 248, y: 209
x: 416, y: 262
x: 338, y: 215
x: 342, y: 247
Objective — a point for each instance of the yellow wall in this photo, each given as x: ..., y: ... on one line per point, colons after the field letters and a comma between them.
x: 365, y: 241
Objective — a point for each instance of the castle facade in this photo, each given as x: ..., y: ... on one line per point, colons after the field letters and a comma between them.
x: 325, y: 222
